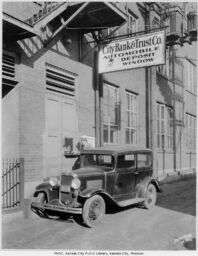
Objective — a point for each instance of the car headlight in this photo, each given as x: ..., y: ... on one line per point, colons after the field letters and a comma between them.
x: 53, y: 181
x: 75, y: 183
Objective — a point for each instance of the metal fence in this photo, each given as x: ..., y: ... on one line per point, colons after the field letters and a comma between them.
x: 12, y: 183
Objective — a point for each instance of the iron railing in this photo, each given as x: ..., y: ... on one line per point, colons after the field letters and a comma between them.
x: 12, y: 183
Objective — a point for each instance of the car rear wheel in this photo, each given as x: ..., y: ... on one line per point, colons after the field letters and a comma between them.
x: 93, y: 210
x: 151, y: 196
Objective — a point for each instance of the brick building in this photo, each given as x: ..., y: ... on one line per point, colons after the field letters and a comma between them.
x: 50, y: 97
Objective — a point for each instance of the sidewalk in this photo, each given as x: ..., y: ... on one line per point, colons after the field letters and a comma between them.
x: 178, y: 175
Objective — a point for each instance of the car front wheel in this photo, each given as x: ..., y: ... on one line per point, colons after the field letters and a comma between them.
x: 93, y: 210
x: 151, y: 196
x: 41, y: 198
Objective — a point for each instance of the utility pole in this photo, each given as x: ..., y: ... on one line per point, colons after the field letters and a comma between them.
x: 97, y: 105
x: 98, y: 89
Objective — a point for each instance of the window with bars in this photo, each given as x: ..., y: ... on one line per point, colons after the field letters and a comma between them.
x: 132, y: 22
x: 111, y: 116
x: 190, y: 76
x: 164, y: 127
x: 131, y: 118
x: 190, y: 132
x: 60, y: 81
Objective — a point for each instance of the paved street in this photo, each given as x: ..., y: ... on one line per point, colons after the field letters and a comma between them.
x: 129, y: 229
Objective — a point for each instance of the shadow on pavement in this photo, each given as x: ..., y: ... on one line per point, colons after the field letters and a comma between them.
x: 179, y: 196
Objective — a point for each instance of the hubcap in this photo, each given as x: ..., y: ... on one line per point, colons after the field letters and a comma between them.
x: 150, y: 196
x: 94, y: 211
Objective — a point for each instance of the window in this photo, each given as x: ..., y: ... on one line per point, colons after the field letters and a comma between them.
x: 164, y: 127
x: 8, y: 73
x: 190, y: 132
x: 111, y: 114
x: 165, y: 69
x: 106, y: 161
x: 190, y: 76
x: 169, y: 128
x: 156, y: 23
x: 126, y: 161
x: 144, y: 160
x: 131, y: 118
x: 132, y: 23
x: 60, y: 81
x: 178, y: 70
x: 8, y: 66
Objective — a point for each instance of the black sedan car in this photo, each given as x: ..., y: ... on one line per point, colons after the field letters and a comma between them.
x: 100, y: 177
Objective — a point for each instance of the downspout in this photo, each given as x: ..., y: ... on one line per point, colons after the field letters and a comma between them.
x: 174, y: 110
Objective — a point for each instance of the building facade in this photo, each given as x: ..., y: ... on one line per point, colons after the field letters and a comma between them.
x: 51, y: 102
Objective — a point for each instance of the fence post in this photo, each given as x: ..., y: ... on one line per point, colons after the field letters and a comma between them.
x: 22, y: 181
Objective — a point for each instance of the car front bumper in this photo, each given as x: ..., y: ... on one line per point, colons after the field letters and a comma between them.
x: 38, y: 207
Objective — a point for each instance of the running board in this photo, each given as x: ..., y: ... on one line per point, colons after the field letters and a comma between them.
x: 130, y: 201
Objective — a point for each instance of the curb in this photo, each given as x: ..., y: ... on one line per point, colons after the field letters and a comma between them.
x: 18, y: 214
x: 176, y: 176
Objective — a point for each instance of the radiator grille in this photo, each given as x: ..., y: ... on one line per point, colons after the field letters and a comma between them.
x: 65, y: 188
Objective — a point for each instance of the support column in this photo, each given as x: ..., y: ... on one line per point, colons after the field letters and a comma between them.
x: 98, y: 86
x: 97, y: 102
x: 151, y: 119
x: 174, y: 114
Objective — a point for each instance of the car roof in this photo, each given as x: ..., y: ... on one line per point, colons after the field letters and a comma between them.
x: 114, y: 150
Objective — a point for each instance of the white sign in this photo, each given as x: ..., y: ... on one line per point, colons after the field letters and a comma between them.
x: 135, y: 52
x: 87, y: 141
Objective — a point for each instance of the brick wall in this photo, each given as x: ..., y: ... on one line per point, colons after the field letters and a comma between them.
x: 10, y: 124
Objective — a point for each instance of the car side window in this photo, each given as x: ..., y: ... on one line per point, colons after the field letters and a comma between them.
x: 144, y: 160
x: 126, y: 161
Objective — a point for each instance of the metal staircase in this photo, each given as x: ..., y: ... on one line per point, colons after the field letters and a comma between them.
x: 47, y: 8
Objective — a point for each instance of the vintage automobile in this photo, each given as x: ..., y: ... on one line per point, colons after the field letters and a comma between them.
x: 100, y: 177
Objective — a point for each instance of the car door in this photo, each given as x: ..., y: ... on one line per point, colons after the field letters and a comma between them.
x: 144, y: 166
x: 125, y: 177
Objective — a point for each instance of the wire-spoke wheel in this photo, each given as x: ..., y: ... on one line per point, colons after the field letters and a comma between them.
x: 151, y: 196
x: 41, y: 198
x: 93, y: 210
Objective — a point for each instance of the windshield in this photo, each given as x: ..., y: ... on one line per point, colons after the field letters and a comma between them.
x: 106, y: 161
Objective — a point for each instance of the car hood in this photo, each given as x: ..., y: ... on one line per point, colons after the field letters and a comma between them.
x: 89, y: 171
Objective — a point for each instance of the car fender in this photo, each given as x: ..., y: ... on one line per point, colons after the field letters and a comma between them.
x: 87, y: 193
x: 45, y: 188
x: 141, y: 188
